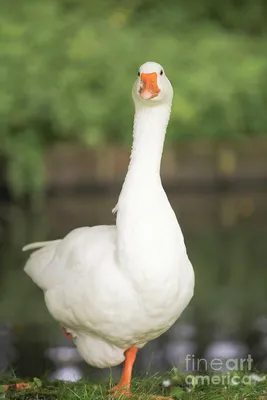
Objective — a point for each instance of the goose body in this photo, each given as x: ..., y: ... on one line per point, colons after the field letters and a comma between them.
x: 114, y: 288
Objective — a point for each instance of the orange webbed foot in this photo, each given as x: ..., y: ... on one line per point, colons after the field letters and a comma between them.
x: 18, y: 386
x: 120, y: 391
x: 122, y: 394
x: 22, y: 386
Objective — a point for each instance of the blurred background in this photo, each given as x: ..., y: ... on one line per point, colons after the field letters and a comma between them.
x: 66, y: 72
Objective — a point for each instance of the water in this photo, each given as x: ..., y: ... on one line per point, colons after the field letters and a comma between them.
x: 226, y: 240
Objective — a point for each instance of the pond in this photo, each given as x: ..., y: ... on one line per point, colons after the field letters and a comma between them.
x: 226, y: 237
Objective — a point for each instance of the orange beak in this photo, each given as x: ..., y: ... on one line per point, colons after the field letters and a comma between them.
x: 149, y: 87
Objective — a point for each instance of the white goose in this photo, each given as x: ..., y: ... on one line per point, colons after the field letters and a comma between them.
x: 114, y: 288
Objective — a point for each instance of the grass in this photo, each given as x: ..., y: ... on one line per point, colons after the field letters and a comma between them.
x: 172, y: 384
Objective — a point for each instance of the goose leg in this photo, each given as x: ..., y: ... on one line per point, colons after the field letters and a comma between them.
x: 123, y: 388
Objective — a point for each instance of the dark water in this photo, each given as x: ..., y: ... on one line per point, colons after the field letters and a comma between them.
x: 226, y: 236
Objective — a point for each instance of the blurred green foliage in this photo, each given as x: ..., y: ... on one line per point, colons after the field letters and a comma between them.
x: 67, y: 68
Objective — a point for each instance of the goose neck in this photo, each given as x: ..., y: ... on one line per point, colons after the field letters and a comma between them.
x: 150, y: 125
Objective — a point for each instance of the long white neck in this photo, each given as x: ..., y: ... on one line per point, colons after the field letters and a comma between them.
x: 147, y: 229
x: 150, y: 125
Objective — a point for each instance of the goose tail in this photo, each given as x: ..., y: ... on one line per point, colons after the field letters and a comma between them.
x: 38, y: 245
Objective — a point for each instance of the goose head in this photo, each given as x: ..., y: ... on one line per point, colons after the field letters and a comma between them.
x: 152, y: 86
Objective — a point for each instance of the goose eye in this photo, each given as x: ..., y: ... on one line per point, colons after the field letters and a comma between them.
x: 138, y: 73
x: 161, y: 72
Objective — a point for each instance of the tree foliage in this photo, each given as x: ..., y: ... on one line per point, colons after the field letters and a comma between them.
x: 67, y: 68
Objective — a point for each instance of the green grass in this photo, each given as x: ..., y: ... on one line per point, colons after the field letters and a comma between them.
x: 144, y: 388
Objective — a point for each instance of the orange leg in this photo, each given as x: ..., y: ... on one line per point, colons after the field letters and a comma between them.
x: 123, y: 388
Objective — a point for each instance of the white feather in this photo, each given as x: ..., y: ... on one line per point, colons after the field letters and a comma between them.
x: 37, y: 245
